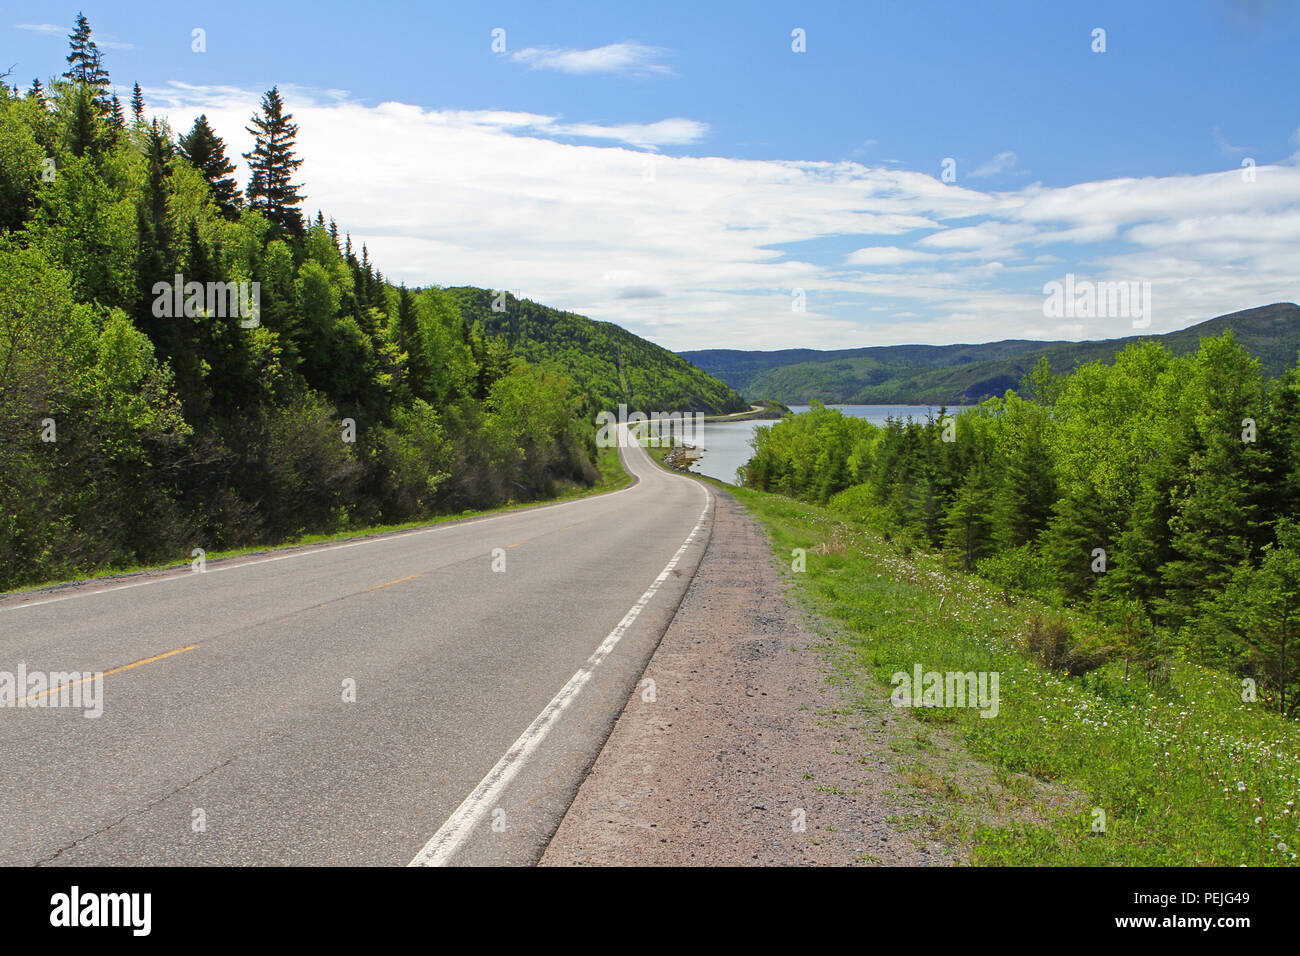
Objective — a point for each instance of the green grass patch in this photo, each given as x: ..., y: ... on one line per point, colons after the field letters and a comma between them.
x: 1185, y: 773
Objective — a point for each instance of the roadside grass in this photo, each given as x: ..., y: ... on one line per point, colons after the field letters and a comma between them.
x: 1184, y: 773
x: 613, y: 476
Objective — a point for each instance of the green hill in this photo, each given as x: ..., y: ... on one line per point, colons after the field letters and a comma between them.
x: 608, y: 363
x: 933, y: 374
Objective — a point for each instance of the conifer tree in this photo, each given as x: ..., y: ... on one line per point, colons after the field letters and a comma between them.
x: 154, y: 234
x: 1260, y: 606
x: 968, y: 523
x: 272, y: 164
x: 86, y: 66
x: 1022, y: 504
x: 37, y: 92
x: 1215, y: 524
x: 85, y: 133
x: 219, y: 341
x: 206, y: 151
x: 410, y: 339
x: 82, y: 54
x: 137, y: 103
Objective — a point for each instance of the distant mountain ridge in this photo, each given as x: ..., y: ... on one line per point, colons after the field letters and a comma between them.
x: 608, y: 364
x: 962, y: 374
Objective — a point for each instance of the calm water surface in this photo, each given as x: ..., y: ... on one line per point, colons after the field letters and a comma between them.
x: 726, y: 444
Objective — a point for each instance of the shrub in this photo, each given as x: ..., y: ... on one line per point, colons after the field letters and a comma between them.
x: 1055, y: 646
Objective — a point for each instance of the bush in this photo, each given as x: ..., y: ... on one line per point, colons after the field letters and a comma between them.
x: 1053, y: 643
x: 1019, y: 570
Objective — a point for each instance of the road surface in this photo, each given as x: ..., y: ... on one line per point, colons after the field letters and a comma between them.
x: 481, y: 696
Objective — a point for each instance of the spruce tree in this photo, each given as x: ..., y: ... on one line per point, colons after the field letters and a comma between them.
x: 1215, y: 522
x: 221, y: 344
x: 85, y: 133
x: 137, y: 103
x: 1022, y: 504
x: 173, y: 337
x: 272, y: 164
x: 82, y: 54
x: 366, y: 280
x: 1078, y: 527
x: 37, y: 92
x: 410, y: 339
x: 86, y: 66
x: 154, y: 236
x: 1260, y: 606
x: 968, y: 523
x: 206, y: 151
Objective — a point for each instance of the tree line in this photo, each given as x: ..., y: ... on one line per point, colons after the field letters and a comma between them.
x: 1160, y: 494
x: 132, y: 434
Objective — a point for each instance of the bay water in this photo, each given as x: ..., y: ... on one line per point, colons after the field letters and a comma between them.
x: 726, y: 444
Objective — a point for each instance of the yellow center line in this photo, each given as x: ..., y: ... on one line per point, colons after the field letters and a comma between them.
x: 115, y: 670
x: 516, y: 544
x: 411, y: 577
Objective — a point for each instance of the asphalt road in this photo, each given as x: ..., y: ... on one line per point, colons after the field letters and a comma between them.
x: 481, y: 697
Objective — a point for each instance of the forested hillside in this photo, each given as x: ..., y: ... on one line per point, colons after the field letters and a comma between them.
x: 962, y: 374
x: 609, y: 365
x: 185, y: 363
x: 1161, y: 493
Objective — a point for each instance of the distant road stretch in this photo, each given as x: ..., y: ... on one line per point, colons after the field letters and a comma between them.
x: 385, y: 701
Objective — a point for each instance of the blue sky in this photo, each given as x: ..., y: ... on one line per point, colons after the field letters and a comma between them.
x: 685, y: 173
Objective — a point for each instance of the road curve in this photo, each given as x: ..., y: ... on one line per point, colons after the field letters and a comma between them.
x: 481, y: 697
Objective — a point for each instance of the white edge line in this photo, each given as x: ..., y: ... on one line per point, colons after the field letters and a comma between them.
x: 446, y: 526
x: 452, y: 834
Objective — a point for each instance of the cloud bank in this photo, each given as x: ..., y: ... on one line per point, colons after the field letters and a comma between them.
x: 705, y: 251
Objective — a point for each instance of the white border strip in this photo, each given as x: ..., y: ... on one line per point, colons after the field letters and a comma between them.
x: 452, y: 834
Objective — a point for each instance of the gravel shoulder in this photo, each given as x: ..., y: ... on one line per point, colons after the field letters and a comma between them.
x: 743, y: 734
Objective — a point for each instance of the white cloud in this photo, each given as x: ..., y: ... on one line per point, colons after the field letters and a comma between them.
x: 1225, y: 147
x: 886, y: 256
x: 701, y: 251
x: 998, y: 164
x: 628, y: 57
x: 669, y: 132
x: 104, y: 40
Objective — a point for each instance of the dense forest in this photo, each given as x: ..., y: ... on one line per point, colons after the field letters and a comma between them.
x: 139, y: 421
x: 966, y: 374
x: 1160, y: 494
x: 607, y: 363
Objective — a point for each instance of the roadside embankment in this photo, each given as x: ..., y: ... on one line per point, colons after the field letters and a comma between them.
x: 737, y: 748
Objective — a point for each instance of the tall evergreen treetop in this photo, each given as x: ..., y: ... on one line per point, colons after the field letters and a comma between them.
x: 272, y: 164
x: 137, y: 102
x: 206, y: 151
x: 86, y: 64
